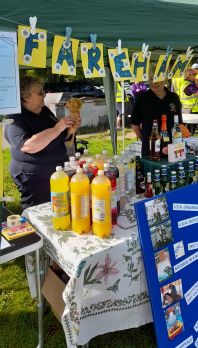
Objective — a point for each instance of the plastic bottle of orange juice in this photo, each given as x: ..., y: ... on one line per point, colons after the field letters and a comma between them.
x: 101, y: 205
x: 59, y: 186
x: 80, y: 207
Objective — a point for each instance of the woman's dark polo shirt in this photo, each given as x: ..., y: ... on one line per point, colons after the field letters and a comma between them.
x: 149, y: 107
x: 26, y: 125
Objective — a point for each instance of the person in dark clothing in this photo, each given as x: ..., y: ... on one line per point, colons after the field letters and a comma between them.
x: 37, y: 141
x: 151, y: 105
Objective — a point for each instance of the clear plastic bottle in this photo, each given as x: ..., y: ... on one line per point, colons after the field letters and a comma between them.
x: 59, y: 186
x: 99, y: 161
x: 176, y: 132
x: 80, y: 209
x: 101, y: 205
x: 68, y: 170
x: 109, y: 173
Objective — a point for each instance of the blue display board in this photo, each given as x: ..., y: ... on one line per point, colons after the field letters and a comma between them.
x: 168, y: 229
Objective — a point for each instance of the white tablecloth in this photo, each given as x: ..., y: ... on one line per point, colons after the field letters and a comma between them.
x: 107, y: 290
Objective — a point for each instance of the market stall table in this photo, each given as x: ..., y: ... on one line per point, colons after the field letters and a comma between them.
x: 190, y: 119
x: 20, y: 247
x: 107, y: 289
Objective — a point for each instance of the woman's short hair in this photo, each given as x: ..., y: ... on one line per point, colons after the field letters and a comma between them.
x: 26, y: 83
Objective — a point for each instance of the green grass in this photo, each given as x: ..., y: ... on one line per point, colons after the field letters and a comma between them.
x: 18, y: 312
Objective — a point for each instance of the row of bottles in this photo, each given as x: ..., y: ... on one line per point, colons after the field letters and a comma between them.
x: 79, y: 189
x: 178, y: 178
x: 158, y: 141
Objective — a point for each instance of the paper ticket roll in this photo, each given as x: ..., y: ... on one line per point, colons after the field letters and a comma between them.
x: 13, y: 220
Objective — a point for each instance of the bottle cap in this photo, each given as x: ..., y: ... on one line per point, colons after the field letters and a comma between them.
x: 72, y: 159
x: 100, y: 172
x: 106, y: 165
x: 79, y: 170
x: 66, y: 164
x: 58, y: 168
x: 85, y: 151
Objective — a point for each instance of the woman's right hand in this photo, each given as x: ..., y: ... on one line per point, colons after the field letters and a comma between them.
x: 63, y: 123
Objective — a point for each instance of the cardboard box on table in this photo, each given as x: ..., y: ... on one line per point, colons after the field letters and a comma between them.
x: 52, y: 291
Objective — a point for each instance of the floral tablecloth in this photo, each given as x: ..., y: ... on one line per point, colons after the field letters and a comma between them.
x: 107, y: 290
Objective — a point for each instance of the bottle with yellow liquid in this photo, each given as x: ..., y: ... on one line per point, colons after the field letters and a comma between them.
x: 80, y: 207
x: 59, y: 185
x: 101, y: 205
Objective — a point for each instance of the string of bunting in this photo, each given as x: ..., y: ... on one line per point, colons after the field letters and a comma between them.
x: 32, y: 52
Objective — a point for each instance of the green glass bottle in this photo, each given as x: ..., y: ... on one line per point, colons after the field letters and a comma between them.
x: 157, y: 190
x: 181, y: 177
x: 173, y: 180
x: 164, y: 179
x: 191, y: 173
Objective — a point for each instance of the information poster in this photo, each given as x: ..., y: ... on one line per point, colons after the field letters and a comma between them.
x: 168, y: 229
x: 9, y: 74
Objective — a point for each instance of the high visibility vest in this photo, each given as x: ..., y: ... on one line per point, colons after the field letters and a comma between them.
x: 188, y: 102
x: 119, y: 94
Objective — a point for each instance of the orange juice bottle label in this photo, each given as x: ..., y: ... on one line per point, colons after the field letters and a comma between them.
x: 98, y: 209
x: 80, y: 206
x: 60, y: 205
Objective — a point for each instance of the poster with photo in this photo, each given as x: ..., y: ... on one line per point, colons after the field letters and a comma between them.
x: 168, y: 231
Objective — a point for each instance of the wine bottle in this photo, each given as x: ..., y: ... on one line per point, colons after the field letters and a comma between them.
x: 154, y: 143
x: 165, y: 139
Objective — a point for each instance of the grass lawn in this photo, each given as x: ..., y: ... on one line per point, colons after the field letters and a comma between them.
x: 18, y: 312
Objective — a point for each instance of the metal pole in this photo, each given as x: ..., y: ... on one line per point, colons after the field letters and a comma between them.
x: 123, y: 116
x: 39, y: 299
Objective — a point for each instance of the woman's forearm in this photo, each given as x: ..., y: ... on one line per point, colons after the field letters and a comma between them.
x: 40, y: 140
x: 137, y: 131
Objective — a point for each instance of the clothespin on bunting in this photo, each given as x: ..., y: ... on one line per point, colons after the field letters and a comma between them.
x: 67, y: 43
x: 145, y: 51
x: 33, y: 21
x: 168, y: 52
x: 189, y: 53
x: 93, y: 38
x: 119, y: 48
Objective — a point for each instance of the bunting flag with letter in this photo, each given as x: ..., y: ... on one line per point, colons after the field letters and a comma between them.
x: 161, y: 70
x: 140, y: 66
x: 92, y: 60
x: 32, y: 48
x: 119, y: 64
x: 64, y: 56
x: 180, y: 65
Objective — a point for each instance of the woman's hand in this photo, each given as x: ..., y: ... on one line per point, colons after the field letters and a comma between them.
x: 63, y: 123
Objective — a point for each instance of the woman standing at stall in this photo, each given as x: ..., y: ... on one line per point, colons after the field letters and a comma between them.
x: 37, y: 141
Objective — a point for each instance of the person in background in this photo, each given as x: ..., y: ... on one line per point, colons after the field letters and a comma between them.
x: 137, y: 88
x: 119, y: 104
x: 37, y: 141
x: 186, y: 88
x: 151, y: 105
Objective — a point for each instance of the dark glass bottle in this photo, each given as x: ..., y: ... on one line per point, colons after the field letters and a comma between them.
x: 164, y: 178
x: 149, y: 187
x: 154, y: 143
x: 196, y: 168
x: 140, y: 185
x: 112, y: 177
x: 157, y: 184
x: 165, y: 139
x: 173, y: 180
x: 191, y: 173
x: 181, y: 177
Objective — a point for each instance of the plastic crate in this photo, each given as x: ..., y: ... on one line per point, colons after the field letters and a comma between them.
x: 150, y: 166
